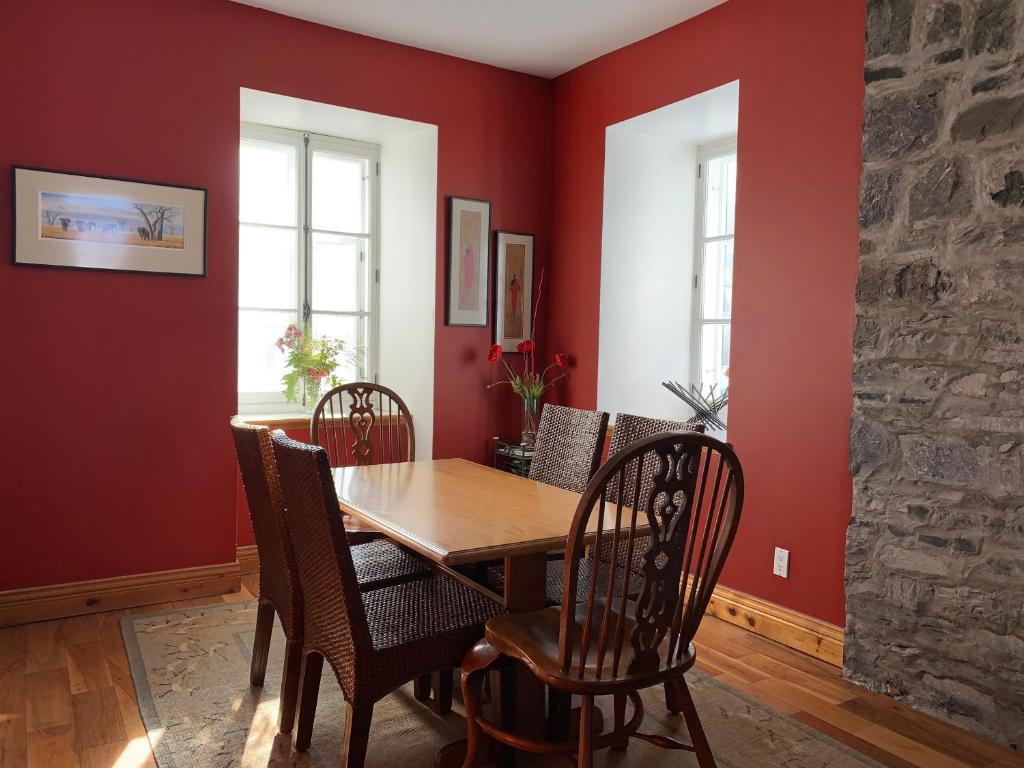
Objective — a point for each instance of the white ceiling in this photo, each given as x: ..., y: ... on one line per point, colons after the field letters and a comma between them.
x: 701, y: 119
x: 541, y: 37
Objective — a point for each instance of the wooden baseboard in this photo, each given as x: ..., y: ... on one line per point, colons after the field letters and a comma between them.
x: 248, y: 560
x: 21, y: 606
x: 795, y: 630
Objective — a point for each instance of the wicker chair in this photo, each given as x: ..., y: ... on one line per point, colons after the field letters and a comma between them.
x: 377, y: 564
x: 566, y: 455
x: 374, y: 641
x: 610, y: 645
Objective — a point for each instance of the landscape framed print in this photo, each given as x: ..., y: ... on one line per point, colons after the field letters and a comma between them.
x: 513, y: 293
x: 82, y: 221
x: 469, y: 235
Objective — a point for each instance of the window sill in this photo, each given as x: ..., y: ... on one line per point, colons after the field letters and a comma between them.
x: 278, y: 420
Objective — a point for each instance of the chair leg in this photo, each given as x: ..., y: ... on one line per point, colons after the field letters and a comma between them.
x: 312, y: 666
x: 673, y: 699
x: 421, y: 687
x: 585, y: 753
x: 559, y: 714
x: 620, y: 742
x: 261, y: 643
x: 357, y: 735
x: 705, y: 759
x: 441, y: 683
x: 289, y: 686
x: 474, y: 670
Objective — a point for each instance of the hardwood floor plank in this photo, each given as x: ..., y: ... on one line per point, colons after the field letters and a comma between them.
x: 13, y: 729
x: 864, y: 747
x: 734, y: 667
x: 97, y: 718
x: 87, y: 667
x: 834, y: 691
x: 134, y: 753
x: 45, y: 646
x: 940, y: 736
x: 53, y: 748
x: 913, y: 752
x: 807, y: 701
x: 48, y: 700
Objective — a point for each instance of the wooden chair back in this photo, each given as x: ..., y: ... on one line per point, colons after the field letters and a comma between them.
x: 335, y: 619
x: 363, y: 423
x: 568, y: 448
x: 684, y: 522
x: 278, y: 581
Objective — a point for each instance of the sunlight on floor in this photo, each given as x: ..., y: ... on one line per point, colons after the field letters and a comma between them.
x: 137, y: 753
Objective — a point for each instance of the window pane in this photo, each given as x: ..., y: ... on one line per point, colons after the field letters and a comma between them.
x: 268, y: 187
x: 336, y: 272
x: 347, y: 330
x: 267, y: 267
x: 717, y: 293
x: 720, y: 206
x: 339, y: 192
x: 260, y: 363
x: 714, y: 356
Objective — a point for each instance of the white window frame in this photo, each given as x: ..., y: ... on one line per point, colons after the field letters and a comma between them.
x: 306, y: 144
x: 704, y: 155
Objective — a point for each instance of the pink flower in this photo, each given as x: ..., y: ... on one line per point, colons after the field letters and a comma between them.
x: 494, y: 354
x: 279, y: 344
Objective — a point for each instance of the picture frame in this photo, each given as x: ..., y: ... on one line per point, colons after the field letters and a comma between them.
x: 513, y: 289
x: 70, y: 220
x: 468, y: 262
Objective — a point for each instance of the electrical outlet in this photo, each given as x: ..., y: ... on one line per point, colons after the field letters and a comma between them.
x: 781, y: 567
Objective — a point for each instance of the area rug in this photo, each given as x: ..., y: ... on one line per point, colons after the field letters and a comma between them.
x: 191, y: 674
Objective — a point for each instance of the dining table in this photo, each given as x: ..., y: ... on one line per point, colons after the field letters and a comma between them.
x: 456, y: 513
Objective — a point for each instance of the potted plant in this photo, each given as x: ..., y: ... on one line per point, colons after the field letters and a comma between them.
x: 311, y: 363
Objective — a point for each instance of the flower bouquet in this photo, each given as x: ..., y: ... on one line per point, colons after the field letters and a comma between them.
x: 311, y: 363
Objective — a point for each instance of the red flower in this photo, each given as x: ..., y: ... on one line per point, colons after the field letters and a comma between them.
x: 494, y: 354
x: 526, y: 347
x: 562, y: 360
x: 316, y: 373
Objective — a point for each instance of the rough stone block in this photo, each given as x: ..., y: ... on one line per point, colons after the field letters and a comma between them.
x: 944, y: 191
x: 899, y: 123
x: 878, y: 197
x: 869, y: 445
x: 994, y: 117
x: 995, y: 26
x: 940, y: 460
x: 944, y: 22
x: 888, y: 27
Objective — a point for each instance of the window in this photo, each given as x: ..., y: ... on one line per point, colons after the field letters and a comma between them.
x: 307, y: 253
x: 716, y: 220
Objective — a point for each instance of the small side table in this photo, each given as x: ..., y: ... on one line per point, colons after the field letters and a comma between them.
x: 512, y: 457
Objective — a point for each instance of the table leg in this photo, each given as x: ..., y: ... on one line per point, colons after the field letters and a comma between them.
x: 525, y: 590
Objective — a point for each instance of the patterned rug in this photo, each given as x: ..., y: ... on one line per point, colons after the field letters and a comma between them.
x: 191, y: 673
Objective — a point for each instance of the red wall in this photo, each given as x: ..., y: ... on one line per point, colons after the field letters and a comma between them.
x: 799, y: 63
x: 117, y: 389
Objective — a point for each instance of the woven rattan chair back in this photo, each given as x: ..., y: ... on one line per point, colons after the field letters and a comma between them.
x: 684, y: 522
x: 568, y: 448
x: 278, y: 581
x: 335, y: 620
x: 363, y: 423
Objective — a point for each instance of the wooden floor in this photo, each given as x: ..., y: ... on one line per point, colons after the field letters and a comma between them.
x: 66, y: 698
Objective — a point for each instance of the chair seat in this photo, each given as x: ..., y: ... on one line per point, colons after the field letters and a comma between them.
x: 532, y: 638
x: 553, y: 588
x: 381, y: 563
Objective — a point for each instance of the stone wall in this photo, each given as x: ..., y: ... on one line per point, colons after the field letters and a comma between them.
x: 935, y: 548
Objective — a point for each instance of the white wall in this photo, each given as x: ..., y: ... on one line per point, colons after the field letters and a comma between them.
x: 646, y: 273
x: 408, y: 236
x: 407, y: 274
x: 647, y: 294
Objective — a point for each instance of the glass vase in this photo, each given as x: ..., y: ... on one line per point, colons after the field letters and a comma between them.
x: 310, y: 391
x: 529, y: 434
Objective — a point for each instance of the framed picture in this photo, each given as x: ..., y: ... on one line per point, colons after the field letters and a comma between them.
x: 81, y: 221
x: 469, y: 235
x: 513, y: 293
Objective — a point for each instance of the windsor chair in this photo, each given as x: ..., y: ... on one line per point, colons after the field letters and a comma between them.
x: 610, y: 644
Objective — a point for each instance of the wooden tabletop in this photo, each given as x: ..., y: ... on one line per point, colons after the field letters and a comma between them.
x: 454, y: 511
